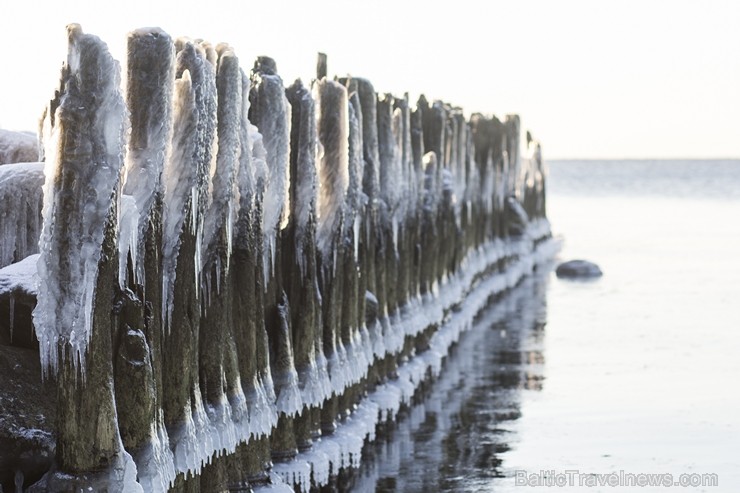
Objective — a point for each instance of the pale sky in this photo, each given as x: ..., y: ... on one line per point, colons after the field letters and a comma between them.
x: 590, y: 79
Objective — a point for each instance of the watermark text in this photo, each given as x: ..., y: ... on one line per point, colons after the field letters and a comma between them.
x: 574, y: 477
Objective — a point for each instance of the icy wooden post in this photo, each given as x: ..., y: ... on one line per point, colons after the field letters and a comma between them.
x: 366, y: 109
x: 270, y: 112
x: 219, y: 373
x: 79, y: 261
x: 248, y: 295
x: 333, y: 134
x: 407, y: 199
x: 355, y: 336
x: 404, y: 196
x: 484, y: 142
x: 387, y: 252
x: 321, y: 68
x: 150, y: 75
x: 417, y: 153
x: 186, y: 174
x: 300, y: 269
x: 450, y: 205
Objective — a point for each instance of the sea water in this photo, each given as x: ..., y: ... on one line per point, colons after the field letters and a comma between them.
x: 594, y: 386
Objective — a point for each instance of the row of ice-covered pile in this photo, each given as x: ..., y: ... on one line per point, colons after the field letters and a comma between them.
x: 229, y: 267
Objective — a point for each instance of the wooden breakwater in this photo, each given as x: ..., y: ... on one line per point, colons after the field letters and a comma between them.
x: 238, y: 280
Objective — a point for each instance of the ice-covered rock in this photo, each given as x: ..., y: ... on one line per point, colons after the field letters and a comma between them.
x: 18, y: 147
x: 18, y: 288
x: 21, y: 202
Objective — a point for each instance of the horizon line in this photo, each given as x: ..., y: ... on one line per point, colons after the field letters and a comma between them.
x: 736, y: 158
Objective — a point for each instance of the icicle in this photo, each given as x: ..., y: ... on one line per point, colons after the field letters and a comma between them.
x: 187, y: 171
x: 221, y: 212
x: 128, y: 236
x: 180, y: 185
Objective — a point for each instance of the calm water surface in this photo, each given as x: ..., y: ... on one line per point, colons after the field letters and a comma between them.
x: 636, y: 372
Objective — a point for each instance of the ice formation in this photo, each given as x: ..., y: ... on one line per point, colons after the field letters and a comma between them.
x: 80, y: 187
x: 187, y: 170
x: 332, y: 125
x: 245, y: 176
x: 179, y: 178
x: 18, y: 147
x: 21, y: 276
x: 350, y: 205
x: 151, y: 71
x: 356, y: 199
x: 128, y: 236
x: 21, y: 201
x: 344, y: 448
x: 224, y: 201
x: 270, y: 113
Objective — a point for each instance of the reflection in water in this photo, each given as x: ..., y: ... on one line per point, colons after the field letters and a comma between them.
x: 452, y: 439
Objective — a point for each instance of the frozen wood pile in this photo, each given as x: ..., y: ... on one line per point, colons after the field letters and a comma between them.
x: 237, y: 280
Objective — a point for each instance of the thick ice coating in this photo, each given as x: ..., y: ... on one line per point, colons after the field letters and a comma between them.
x: 84, y: 156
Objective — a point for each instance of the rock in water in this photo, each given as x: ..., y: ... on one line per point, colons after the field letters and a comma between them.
x: 578, y: 269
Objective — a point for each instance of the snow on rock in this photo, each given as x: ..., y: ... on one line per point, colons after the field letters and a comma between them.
x: 18, y: 147
x: 79, y: 191
x: 21, y: 202
x: 20, y: 277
